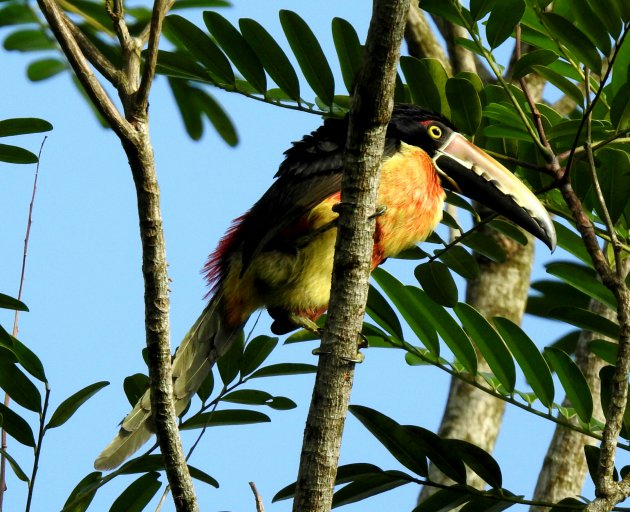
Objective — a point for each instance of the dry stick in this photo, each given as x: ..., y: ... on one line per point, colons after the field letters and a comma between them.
x: 133, y: 131
x: 260, y: 507
x: 27, y: 236
x: 370, y: 113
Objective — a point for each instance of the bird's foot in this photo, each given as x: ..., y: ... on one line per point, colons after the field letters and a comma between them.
x: 358, y: 359
x: 304, y: 240
x: 379, y: 211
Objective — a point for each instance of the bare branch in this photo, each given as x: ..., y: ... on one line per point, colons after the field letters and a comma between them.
x: 160, y: 8
x: 260, y: 507
x: 81, y: 67
x: 369, y: 116
x: 93, y: 54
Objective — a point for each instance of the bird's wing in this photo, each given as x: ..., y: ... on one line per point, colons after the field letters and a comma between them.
x: 310, y: 173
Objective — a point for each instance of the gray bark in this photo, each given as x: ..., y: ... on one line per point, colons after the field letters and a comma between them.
x: 369, y: 116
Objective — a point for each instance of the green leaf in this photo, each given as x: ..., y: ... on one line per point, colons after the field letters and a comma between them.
x: 438, y: 453
x: 21, y: 126
x: 13, y: 463
x: 613, y: 172
x: 586, y: 320
x: 408, y: 308
x: 393, y: 437
x: 275, y: 370
x: 486, y: 246
x: 510, y: 230
x: 237, y: 49
x: 437, y: 281
x: 44, y: 68
x: 192, y: 4
x: 135, y: 386
x: 444, y: 499
x: 20, y: 388
x: 573, y: 503
x: 71, y: 404
x: 191, y: 38
x: 25, y: 356
x: 281, y: 403
x: 427, y: 80
x: 309, y: 55
x: 523, y: 66
x: 584, y: 279
x: 368, y: 485
x: 452, y: 334
x: 503, y: 18
x: 595, y: 31
x: 188, y: 109
x: 349, y: 50
x: 226, y: 417
x: 606, y: 350
x: 180, y: 65
x: 562, y: 83
x: 382, y: 313
x: 229, y: 364
x: 137, y: 496
x: 248, y: 397
x: 448, y: 10
x: 461, y: 261
x: 574, y: 39
x: 464, y: 103
x: 256, y: 351
x: 147, y: 463
x: 571, y: 242
x: 16, y: 155
x: 489, y: 343
x: 216, y: 114
x: 82, y: 495
x: 620, y: 109
x: 14, y: 425
x: 479, y: 8
x: 573, y: 382
x: 528, y: 358
x: 16, y: 14
x: 487, y: 504
x: 477, y: 459
x: 272, y: 57
x: 206, y: 388
x: 28, y: 41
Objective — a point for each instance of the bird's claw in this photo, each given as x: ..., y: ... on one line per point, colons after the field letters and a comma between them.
x: 379, y: 211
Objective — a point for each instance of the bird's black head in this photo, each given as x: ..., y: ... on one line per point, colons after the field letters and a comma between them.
x: 468, y: 170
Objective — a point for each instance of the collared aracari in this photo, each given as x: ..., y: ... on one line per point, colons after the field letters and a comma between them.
x: 279, y: 255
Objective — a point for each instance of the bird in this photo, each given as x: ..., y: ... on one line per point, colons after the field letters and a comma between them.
x: 279, y: 255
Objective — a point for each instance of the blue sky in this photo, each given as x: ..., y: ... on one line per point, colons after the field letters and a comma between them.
x: 84, y: 286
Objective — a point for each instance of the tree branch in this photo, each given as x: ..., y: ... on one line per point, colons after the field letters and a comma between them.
x: 369, y: 116
x: 421, y: 41
x: 100, y: 99
x: 160, y: 8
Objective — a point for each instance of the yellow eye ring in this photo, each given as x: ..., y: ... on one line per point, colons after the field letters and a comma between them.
x: 435, y: 131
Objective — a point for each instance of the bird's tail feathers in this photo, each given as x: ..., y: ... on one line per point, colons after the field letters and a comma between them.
x: 208, y: 339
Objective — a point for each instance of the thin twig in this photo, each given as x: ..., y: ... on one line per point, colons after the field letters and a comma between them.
x: 81, y: 67
x: 590, y: 107
x: 92, y: 53
x: 160, y: 8
x: 38, y: 449
x: 27, y: 236
x: 260, y: 507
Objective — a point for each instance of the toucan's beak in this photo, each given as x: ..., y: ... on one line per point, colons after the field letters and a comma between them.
x: 465, y: 168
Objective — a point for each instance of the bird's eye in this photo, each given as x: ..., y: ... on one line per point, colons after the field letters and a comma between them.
x: 435, y: 131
